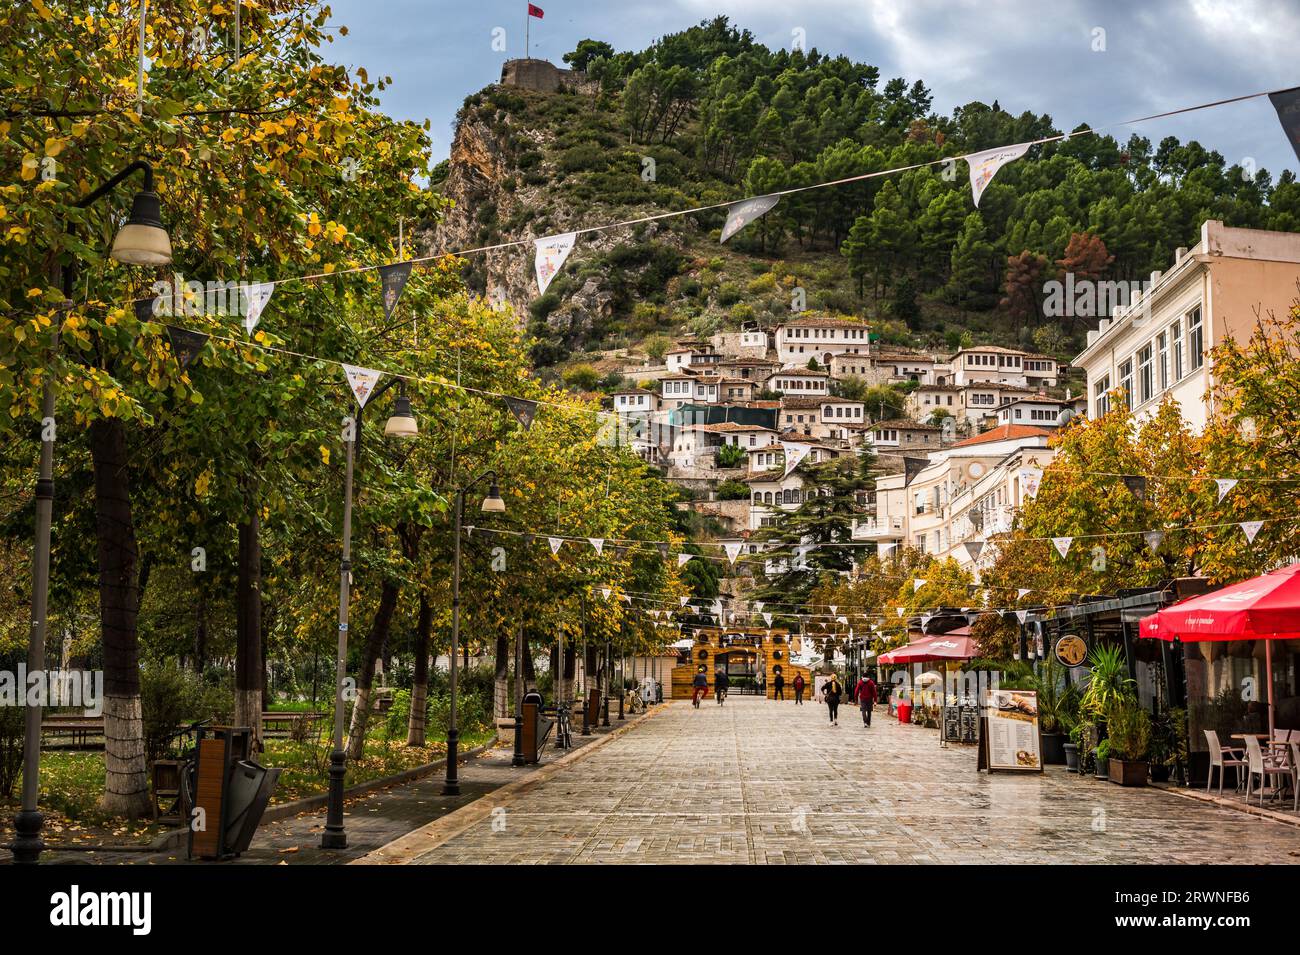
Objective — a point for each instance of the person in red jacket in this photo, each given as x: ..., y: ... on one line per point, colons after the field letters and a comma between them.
x: 798, y: 689
x: 865, y: 694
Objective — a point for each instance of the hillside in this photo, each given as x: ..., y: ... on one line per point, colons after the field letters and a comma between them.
x: 722, y: 117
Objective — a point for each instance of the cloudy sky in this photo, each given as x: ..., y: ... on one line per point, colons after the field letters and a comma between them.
x: 1158, y: 54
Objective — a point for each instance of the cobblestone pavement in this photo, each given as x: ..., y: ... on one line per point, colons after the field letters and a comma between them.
x: 765, y: 782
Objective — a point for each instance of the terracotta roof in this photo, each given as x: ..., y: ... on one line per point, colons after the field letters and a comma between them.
x: 1005, y: 432
x: 803, y: 401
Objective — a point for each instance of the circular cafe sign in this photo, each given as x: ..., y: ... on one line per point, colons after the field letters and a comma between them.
x: 1071, y: 650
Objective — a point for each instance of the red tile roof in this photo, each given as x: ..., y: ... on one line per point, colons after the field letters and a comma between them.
x: 1006, y: 432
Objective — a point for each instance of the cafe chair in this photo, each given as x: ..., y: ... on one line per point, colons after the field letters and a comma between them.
x: 1221, y: 756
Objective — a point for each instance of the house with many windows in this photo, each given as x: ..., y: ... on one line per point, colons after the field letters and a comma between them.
x: 821, y: 338
x: 1040, y: 411
x: 1007, y: 366
x: 1160, y: 343
x: 803, y: 381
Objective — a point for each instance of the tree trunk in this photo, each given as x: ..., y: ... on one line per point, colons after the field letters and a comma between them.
x: 420, y: 685
x: 126, y: 789
x: 591, y: 675
x: 501, y: 677
x: 374, y: 646
x: 248, y: 626
x: 530, y: 670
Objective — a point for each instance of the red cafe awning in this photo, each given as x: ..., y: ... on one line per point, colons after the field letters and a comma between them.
x: 954, y: 645
x: 1263, y: 608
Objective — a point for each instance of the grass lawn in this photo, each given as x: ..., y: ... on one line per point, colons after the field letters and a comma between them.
x: 72, y: 782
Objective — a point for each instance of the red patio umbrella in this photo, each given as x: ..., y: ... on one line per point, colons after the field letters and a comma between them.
x: 954, y: 645
x: 1263, y: 608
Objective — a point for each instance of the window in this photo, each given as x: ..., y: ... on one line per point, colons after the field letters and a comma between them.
x: 1195, y: 338
x: 1162, y: 361
x: 1176, y: 347
x: 1101, y: 395
x: 1146, y: 374
x: 1126, y: 381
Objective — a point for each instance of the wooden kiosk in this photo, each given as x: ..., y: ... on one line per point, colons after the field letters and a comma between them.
x: 751, y: 658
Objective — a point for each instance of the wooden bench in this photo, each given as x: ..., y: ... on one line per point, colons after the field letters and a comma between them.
x: 284, y: 725
x: 75, y: 727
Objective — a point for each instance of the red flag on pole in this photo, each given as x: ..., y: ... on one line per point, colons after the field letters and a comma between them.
x: 536, y: 11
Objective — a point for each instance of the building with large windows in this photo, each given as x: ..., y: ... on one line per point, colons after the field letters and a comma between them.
x: 1160, y: 342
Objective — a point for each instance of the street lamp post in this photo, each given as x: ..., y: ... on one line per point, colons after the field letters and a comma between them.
x: 401, y: 424
x: 141, y: 241
x: 492, y: 504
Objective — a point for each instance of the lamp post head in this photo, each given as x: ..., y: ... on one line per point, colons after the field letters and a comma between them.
x: 402, y: 423
x: 492, y: 504
x: 143, y: 240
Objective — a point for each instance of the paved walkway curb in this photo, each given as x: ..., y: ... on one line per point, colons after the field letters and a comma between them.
x: 1199, y: 795
x: 414, y: 844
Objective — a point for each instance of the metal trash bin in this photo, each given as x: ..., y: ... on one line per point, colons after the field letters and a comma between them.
x: 229, y: 790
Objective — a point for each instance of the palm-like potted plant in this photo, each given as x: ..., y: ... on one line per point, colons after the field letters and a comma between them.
x: 1130, y: 740
x: 1057, y: 706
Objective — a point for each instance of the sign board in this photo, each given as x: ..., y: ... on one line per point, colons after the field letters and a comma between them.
x: 1071, y: 650
x: 1012, y: 731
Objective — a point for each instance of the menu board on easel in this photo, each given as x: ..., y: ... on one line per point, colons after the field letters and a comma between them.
x: 1011, y: 731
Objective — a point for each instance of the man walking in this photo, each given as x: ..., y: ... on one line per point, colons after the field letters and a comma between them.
x: 778, y: 684
x: 798, y: 689
x: 865, y: 692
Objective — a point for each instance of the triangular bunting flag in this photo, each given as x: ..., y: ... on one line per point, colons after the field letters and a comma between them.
x: 523, y: 410
x: 362, y: 381
x: 255, y: 298
x: 1136, y: 484
x: 681, y: 601
x: 1287, y: 104
x: 1225, y: 485
x: 1251, y: 528
x: 1062, y: 544
x: 834, y: 607
x: 901, y: 610
x: 556, y: 543
x: 758, y: 605
x: 605, y: 592
x: 733, y: 551
x: 917, y: 584
x: 767, y: 618
x: 598, y: 543
x: 147, y: 308
x: 843, y: 620
x: 185, y: 344
x: 973, y: 549
x: 392, y: 279
x: 1154, y: 539
x: 984, y: 165
x: 549, y: 255
x: 794, y: 453
x: 1030, y: 478
x: 1021, y: 592
x: 741, y: 214
x: 627, y: 600
x: 683, y: 558
x: 1021, y: 615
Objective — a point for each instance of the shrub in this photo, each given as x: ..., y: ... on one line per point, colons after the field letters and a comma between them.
x: 583, y: 377
x: 733, y: 491
x: 13, y: 723
x: 732, y: 456
x: 170, y: 698
x: 1129, y: 727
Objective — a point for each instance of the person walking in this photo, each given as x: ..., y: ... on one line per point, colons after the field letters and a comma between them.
x: 778, y: 685
x: 699, y: 688
x: 831, y: 691
x: 865, y: 693
x: 798, y: 689
x: 721, y: 683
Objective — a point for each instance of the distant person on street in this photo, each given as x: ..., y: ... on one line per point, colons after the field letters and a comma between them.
x: 778, y: 685
x: 798, y: 689
x: 831, y: 691
x: 865, y: 692
x: 700, y: 688
x: 721, y: 683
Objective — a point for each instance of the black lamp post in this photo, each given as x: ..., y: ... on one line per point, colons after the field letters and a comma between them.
x: 401, y: 424
x: 492, y: 504
x: 141, y: 241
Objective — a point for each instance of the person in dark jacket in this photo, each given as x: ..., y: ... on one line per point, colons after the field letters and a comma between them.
x: 798, y: 689
x: 865, y: 693
x: 699, y: 688
x: 721, y: 683
x: 778, y: 684
x: 831, y: 691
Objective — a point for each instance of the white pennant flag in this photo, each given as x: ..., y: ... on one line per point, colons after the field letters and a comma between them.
x: 917, y: 584
x: 549, y: 254
x: 681, y: 601
x: 1021, y: 615
x: 741, y: 214
x: 605, y: 592
x: 1225, y: 485
x: 627, y: 600
x: 1154, y: 539
x: 255, y: 298
x: 363, y: 381
x: 1030, y: 478
x: 1251, y: 528
x: 598, y: 543
x: 901, y: 610
x: 984, y: 165
x: 767, y: 619
x: 758, y: 605
x: 794, y: 453
x: 683, y: 558
x: 834, y: 607
x: 733, y: 551
x: 556, y: 542
x: 843, y: 620
x: 1063, y: 544
x: 885, y: 549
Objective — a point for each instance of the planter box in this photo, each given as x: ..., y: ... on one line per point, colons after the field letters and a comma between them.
x: 1128, y: 772
x: 1052, y: 746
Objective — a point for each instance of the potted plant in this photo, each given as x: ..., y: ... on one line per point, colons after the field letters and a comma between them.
x: 1071, y: 748
x: 1168, y: 748
x: 1057, y: 705
x: 1130, y: 741
x: 1101, y: 758
x: 1087, y: 745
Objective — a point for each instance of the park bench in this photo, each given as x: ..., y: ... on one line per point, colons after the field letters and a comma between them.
x: 288, y: 724
x: 75, y: 727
